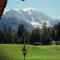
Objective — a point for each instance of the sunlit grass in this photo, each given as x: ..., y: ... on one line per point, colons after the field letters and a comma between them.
x: 14, y: 52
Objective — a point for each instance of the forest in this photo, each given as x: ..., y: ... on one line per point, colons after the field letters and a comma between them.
x: 44, y: 36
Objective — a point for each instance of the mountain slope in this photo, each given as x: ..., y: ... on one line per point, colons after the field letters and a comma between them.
x: 28, y: 17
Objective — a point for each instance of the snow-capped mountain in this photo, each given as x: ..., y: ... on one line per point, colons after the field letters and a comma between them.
x: 29, y: 17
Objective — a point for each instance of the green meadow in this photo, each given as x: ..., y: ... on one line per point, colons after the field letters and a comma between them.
x: 14, y: 52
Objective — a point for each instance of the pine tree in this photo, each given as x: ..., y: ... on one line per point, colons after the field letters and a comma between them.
x: 35, y: 35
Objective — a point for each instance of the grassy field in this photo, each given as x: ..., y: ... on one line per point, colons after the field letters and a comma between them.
x: 14, y: 52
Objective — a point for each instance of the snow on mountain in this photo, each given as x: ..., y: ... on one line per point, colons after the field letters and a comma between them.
x: 29, y: 17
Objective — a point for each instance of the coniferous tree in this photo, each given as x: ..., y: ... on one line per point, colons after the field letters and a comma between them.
x: 22, y: 34
x: 57, y: 28
x: 45, y: 34
x: 35, y: 36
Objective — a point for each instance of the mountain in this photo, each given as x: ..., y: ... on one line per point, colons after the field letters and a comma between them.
x: 29, y: 17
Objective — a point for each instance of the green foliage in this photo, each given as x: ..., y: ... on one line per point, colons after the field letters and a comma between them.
x: 57, y: 27
x: 7, y: 35
x: 45, y: 35
x: 22, y: 35
x: 35, y: 35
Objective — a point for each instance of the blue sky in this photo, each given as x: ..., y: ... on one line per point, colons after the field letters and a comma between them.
x: 49, y: 7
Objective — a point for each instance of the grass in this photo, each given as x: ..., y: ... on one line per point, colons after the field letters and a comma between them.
x: 14, y: 52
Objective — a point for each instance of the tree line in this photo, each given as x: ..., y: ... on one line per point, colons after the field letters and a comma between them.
x: 45, y: 36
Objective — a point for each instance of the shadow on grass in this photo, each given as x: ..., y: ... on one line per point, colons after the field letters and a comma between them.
x: 3, y: 56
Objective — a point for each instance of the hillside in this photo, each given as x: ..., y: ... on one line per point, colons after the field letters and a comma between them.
x: 14, y: 52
